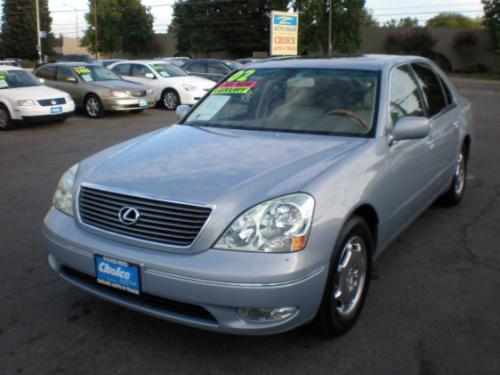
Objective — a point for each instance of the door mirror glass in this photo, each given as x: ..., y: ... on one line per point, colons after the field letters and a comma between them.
x: 71, y: 79
x: 411, y: 127
x: 182, y: 111
x: 41, y: 80
x: 149, y: 75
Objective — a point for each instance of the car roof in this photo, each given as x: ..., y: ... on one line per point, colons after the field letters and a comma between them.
x: 68, y: 63
x: 362, y: 62
x: 9, y: 67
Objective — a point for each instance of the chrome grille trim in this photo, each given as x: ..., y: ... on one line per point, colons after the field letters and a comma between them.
x: 161, y: 222
x: 137, y: 93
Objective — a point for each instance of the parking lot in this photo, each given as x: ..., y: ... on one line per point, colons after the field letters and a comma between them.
x: 433, y: 306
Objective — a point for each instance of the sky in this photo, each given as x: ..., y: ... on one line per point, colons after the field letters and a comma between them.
x: 65, y: 17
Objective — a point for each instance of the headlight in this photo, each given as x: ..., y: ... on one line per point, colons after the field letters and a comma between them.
x: 189, y: 87
x: 118, y: 94
x: 25, y: 102
x: 69, y: 99
x: 149, y: 91
x: 278, y: 225
x: 63, y: 197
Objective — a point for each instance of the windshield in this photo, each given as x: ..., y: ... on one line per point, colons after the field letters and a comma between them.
x: 233, y: 64
x: 95, y: 73
x: 168, y: 70
x: 16, y: 78
x: 324, y: 101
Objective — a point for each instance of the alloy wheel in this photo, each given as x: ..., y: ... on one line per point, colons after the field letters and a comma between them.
x: 460, y: 174
x: 93, y: 106
x: 350, y: 277
x: 4, y: 119
x: 170, y: 100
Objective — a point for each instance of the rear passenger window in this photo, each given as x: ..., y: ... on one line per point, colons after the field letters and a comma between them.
x: 48, y: 72
x: 197, y: 67
x: 122, y: 69
x: 405, y: 96
x: 431, y: 86
x: 63, y: 73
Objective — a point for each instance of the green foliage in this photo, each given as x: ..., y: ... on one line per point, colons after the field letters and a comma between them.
x: 417, y: 41
x: 238, y: 26
x: 492, y: 21
x: 19, y: 29
x: 347, y: 18
x: 368, y: 19
x: 122, y: 25
x: 452, y: 20
x: 402, y: 22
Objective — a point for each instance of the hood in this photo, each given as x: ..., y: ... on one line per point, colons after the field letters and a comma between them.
x: 204, y: 165
x: 121, y: 85
x: 200, y: 82
x: 33, y: 93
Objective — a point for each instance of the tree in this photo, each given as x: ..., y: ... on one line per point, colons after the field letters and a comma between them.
x: 238, y: 26
x: 492, y: 21
x: 19, y: 37
x: 402, y: 22
x: 347, y: 18
x: 368, y: 19
x: 122, y: 25
x: 452, y: 20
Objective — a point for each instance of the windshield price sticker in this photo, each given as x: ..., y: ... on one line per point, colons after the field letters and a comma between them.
x: 160, y: 70
x: 241, y: 76
x: 235, y: 88
x: 3, y: 83
x: 81, y: 70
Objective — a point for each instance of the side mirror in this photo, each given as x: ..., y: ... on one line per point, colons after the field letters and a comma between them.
x: 71, y: 79
x: 41, y: 80
x: 149, y: 75
x: 181, y: 111
x: 410, y: 127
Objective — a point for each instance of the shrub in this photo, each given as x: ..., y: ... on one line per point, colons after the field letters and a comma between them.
x: 464, y: 41
x: 417, y: 41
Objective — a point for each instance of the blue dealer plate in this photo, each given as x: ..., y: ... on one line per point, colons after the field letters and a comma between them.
x: 117, y: 274
x: 56, y: 110
x: 143, y: 103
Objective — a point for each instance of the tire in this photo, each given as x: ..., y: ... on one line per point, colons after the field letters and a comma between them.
x: 5, y: 120
x: 93, y: 106
x: 456, y: 191
x: 348, y: 279
x: 170, y: 99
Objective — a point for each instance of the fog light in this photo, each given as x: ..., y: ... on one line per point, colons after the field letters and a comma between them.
x: 256, y: 315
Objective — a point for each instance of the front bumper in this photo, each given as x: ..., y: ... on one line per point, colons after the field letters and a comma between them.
x: 38, y: 112
x: 127, y: 104
x: 172, y: 279
x: 192, y: 97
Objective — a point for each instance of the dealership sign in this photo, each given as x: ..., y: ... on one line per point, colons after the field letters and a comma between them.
x: 284, y: 33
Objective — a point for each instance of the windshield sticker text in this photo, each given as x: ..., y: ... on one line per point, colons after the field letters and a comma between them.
x: 238, y: 88
x: 241, y: 76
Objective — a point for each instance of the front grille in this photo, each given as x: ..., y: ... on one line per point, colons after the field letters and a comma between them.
x: 137, y: 94
x: 49, y: 102
x: 159, y: 221
x: 144, y: 299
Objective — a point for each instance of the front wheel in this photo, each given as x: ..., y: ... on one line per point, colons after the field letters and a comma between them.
x: 457, y: 188
x: 170, y: 99
x: 5, y: 120
x: 93, y: 106
x: 348, y: 279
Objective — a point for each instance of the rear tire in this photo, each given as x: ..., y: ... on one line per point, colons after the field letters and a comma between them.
x: 456, y: 191
x: 93, y: 106
x: 348, y: 279
x: 170, y: 99
x: 5, y: 120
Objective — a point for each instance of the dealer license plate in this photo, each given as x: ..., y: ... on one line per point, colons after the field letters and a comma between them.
x: 117, y: 274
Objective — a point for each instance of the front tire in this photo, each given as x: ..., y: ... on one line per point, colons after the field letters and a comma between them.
x: 5, y: 120
x: 457, y: 188
x: 348, y: 279
x: 93, y: 106
x: 170, y: 99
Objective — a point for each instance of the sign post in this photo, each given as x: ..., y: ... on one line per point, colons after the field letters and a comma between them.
x: 284, y: 33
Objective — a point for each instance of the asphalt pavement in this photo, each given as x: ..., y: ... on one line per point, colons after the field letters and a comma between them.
x: 433, y: 307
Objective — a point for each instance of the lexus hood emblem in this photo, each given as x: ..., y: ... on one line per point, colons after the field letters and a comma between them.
x: 128, y: 215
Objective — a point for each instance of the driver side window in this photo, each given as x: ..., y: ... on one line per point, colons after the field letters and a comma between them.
x: 405, y: 99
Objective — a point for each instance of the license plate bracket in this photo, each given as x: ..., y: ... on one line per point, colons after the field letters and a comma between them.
x: 56, y: 110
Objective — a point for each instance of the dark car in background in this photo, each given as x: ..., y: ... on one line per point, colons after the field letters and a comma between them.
x: 76, y: 58
x: 213, y: 69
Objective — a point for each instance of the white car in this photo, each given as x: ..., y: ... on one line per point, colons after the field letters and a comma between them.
x: 24, y: 98
x: 172, y: 85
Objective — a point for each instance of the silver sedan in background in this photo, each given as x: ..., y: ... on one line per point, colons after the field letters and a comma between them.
x: 264, y: 207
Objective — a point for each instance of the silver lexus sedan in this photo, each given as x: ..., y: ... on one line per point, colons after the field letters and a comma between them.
x: 264, y: 207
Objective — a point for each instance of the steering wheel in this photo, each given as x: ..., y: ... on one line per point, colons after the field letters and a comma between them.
x: 347, y: 113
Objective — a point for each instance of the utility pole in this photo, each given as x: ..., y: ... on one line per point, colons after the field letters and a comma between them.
x: 329, y: 28
x: 95, y: 31
x: 38, y: 36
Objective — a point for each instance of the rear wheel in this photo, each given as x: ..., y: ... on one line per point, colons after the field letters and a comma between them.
x: 93, y: 106
x: 170, y: 99
x: 348, y: 279
x: 5, y: 120
x: 457, y: 188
